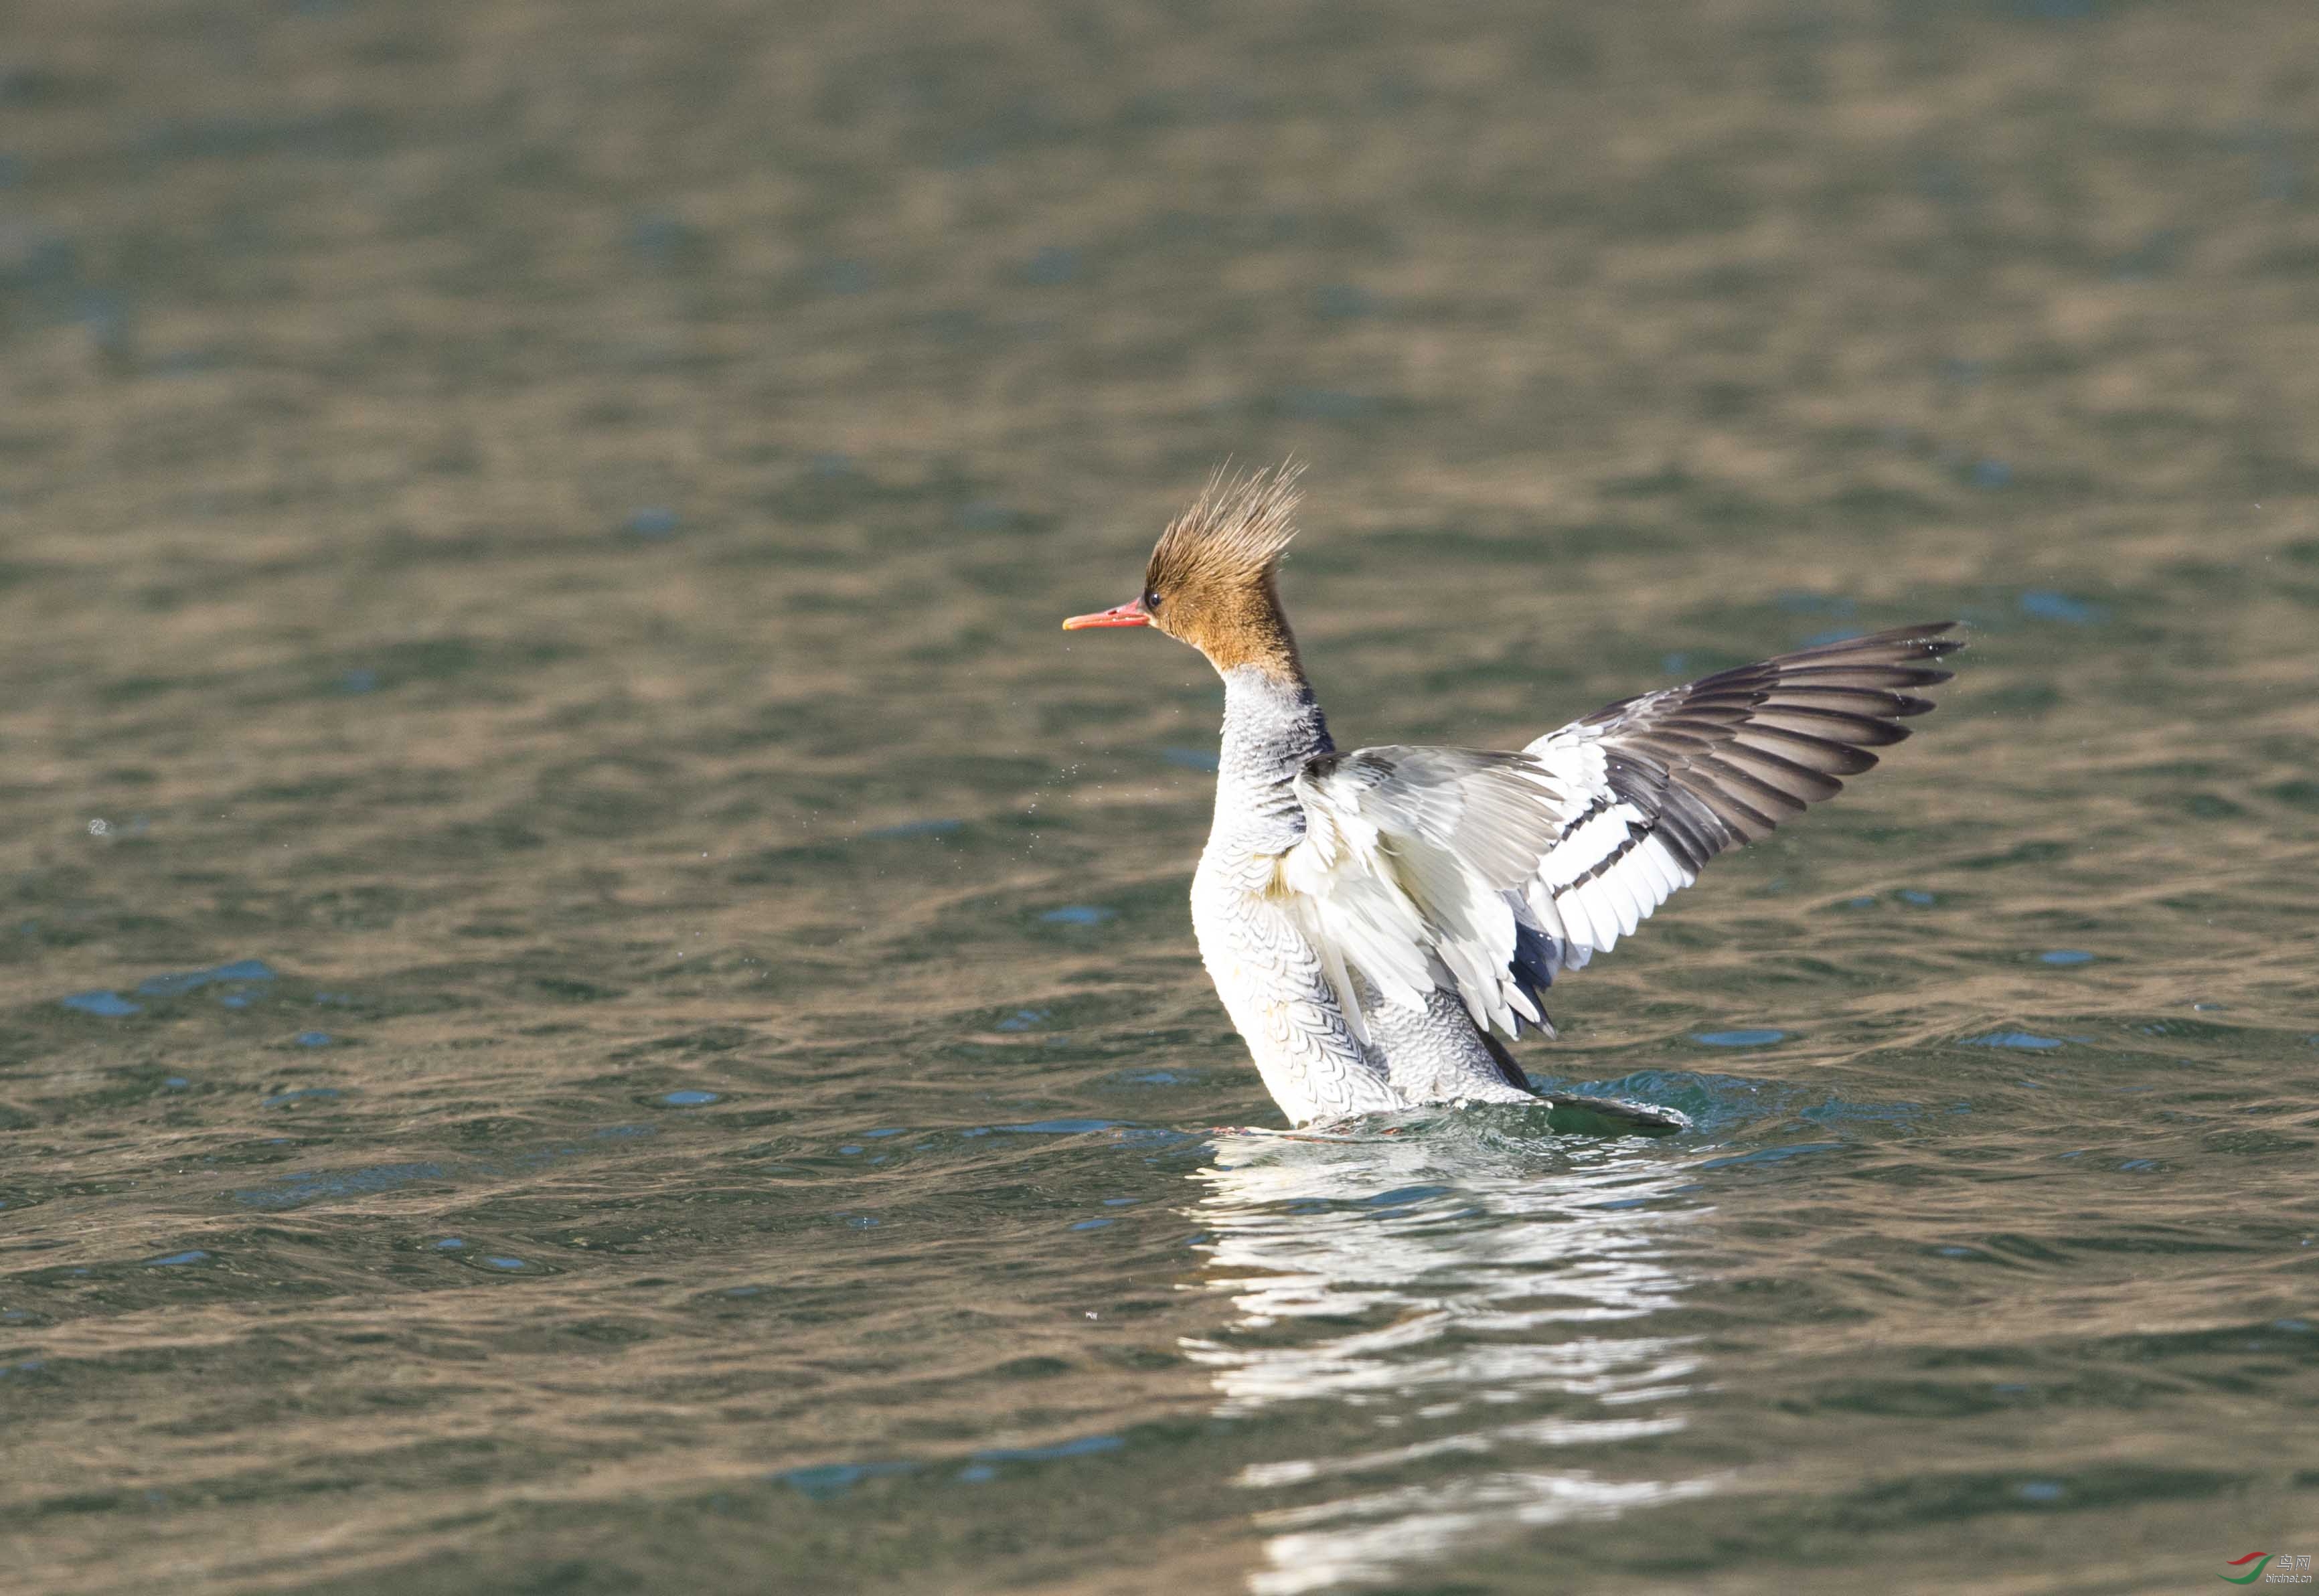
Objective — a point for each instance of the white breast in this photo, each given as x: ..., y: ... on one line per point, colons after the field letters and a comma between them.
x: 1272, y: 984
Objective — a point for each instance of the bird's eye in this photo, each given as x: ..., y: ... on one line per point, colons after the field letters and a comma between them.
x: 1151, y: 599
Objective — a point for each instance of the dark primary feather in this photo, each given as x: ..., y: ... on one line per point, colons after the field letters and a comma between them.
x: 1723, y: 760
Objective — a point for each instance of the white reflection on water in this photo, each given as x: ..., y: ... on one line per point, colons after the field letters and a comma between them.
x: 1465, y: 1299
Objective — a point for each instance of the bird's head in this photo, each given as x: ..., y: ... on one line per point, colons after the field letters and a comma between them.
x: 1211, y: 579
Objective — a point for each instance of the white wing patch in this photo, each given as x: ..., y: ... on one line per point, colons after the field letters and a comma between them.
x: 1609, y: 868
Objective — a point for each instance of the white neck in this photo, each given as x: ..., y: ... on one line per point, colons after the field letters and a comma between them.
x: 1271, y: 728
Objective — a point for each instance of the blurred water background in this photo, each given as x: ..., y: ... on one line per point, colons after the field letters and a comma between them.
x: 594, y: 1000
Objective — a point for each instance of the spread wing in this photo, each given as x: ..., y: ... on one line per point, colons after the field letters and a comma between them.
x: 1487, y: 873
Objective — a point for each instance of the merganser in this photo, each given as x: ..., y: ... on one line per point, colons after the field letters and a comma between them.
x: 1370, y: 917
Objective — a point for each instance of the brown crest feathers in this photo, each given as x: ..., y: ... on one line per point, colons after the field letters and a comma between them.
x: 1232, y: 534
x: 1212, y: 572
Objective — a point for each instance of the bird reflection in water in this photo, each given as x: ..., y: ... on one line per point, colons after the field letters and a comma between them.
x: 1459, y: 1313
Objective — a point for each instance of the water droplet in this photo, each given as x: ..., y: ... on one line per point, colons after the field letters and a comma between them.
x: 917, y: 828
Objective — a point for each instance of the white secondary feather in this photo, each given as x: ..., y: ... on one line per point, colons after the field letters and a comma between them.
x: 1416, y: 861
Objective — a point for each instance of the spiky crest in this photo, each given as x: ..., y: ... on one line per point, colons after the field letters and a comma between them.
x: 1213, y: 571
